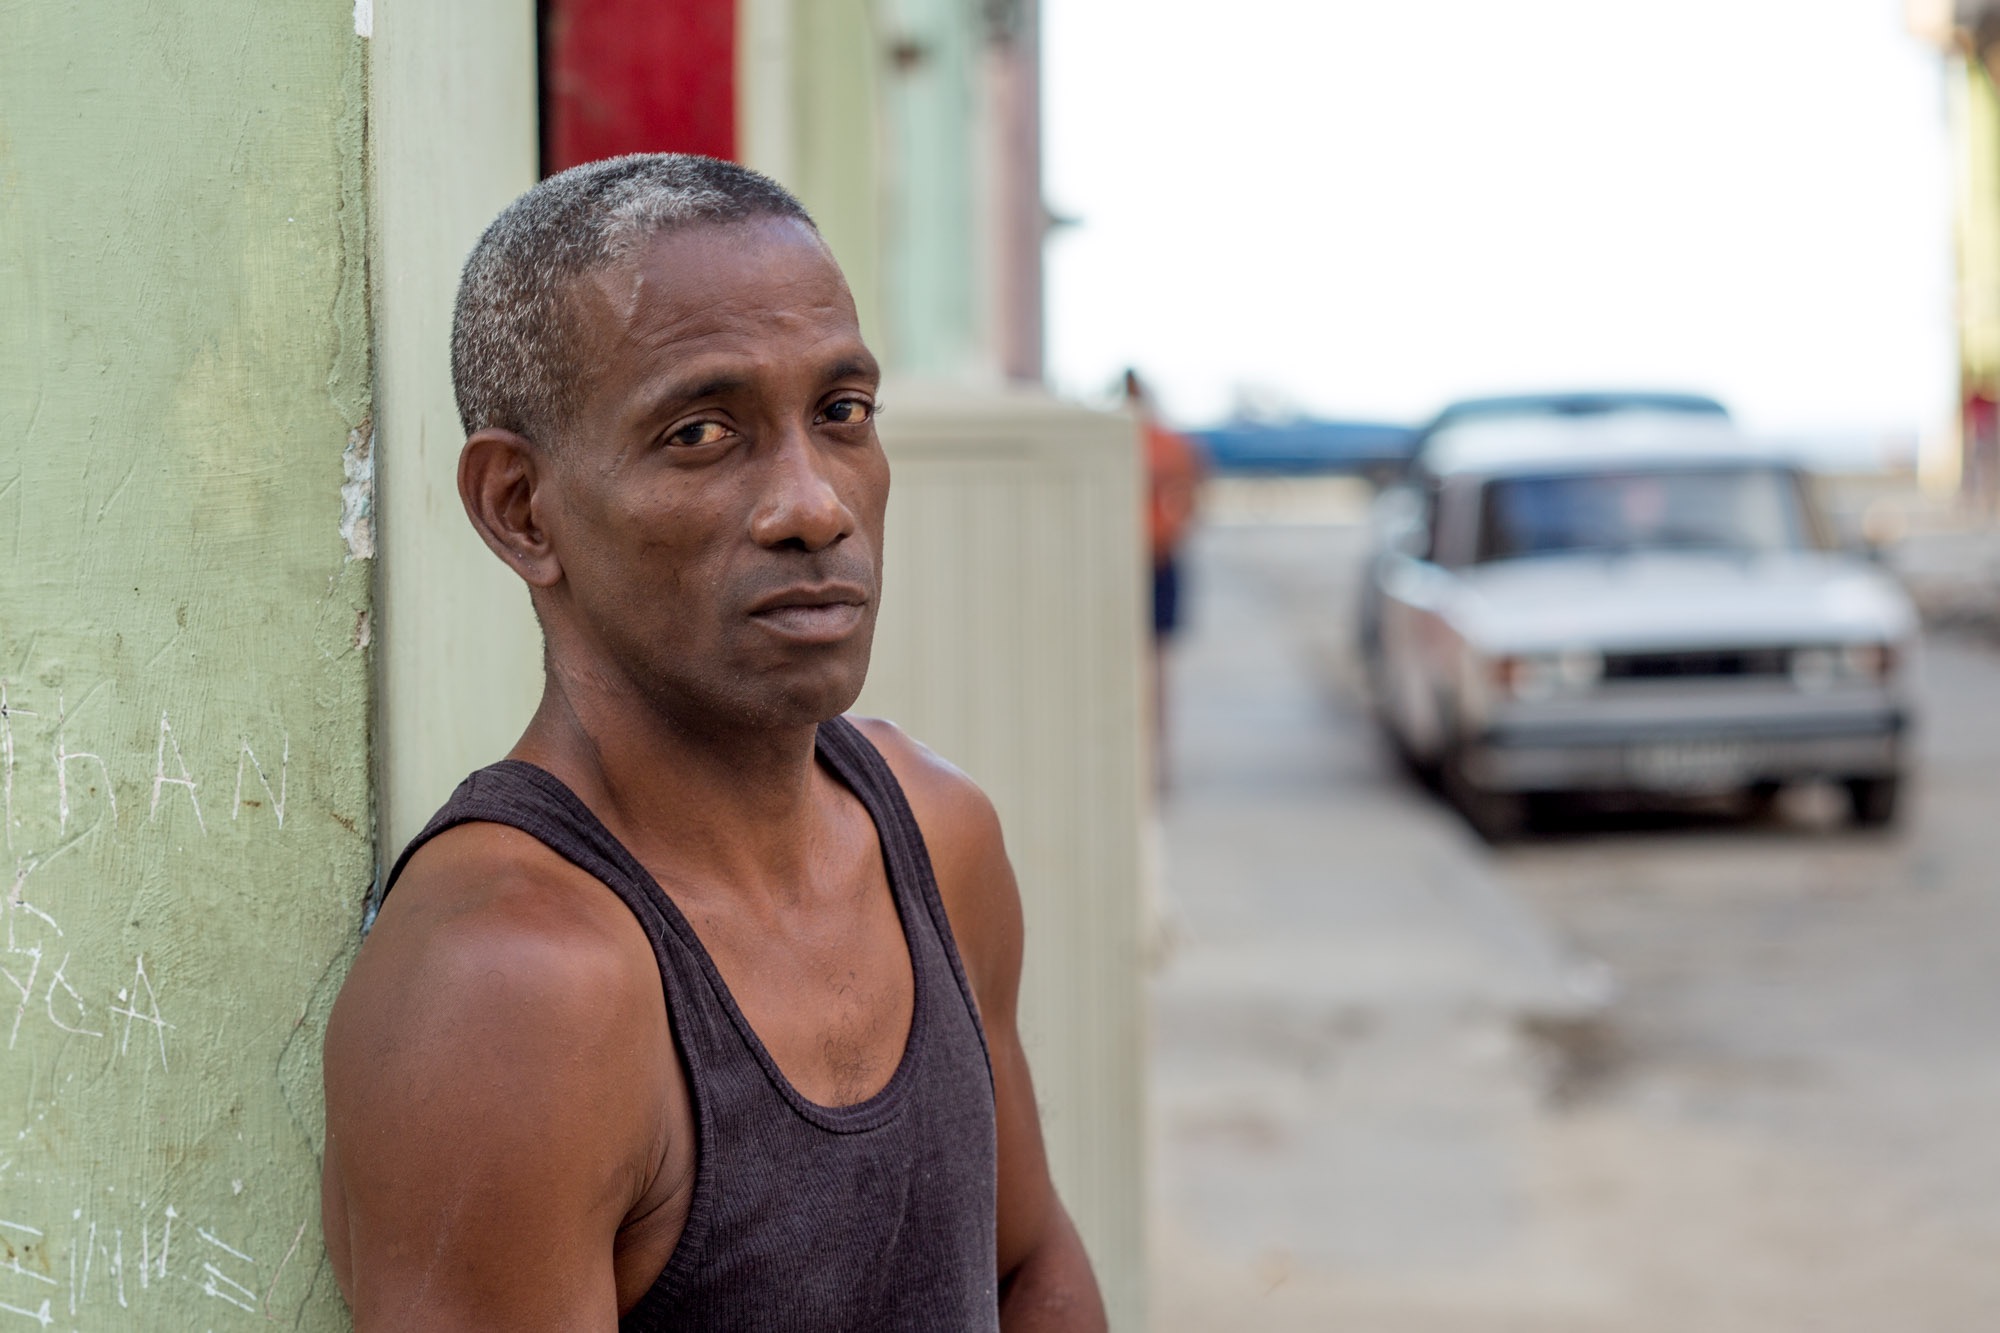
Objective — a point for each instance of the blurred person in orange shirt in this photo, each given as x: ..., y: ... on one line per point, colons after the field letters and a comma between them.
x: 1174, y: 471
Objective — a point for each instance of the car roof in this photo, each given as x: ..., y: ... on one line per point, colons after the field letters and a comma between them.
x: 1517, y: 445
x: 1575, y: 404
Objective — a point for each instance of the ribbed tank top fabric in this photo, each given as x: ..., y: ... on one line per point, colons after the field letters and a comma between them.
x: 872, y: 1218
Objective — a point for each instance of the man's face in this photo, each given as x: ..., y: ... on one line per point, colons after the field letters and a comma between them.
x: 717, y: 503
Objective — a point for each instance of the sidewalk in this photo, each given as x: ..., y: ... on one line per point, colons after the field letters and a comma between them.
x: 1953, y: 574
x: 1946, y: 553
x: 1301, y: 869
x: 1340, y: 1017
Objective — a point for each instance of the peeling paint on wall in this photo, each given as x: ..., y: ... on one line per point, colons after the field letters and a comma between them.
x: 357, y: 493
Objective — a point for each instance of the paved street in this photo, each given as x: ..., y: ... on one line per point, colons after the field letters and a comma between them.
x: 1634, y: 1074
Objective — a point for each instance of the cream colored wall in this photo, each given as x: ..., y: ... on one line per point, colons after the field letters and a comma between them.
x: 809, y: 115
x: 453, y: 138
x: 1010, y: 641
x: 765, y: 104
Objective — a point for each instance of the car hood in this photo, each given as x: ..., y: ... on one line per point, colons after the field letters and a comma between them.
x: 1678, y: 599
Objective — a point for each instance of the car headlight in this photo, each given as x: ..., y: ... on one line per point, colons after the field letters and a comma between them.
x: 1821, y: 668
x: 1868, y: 661
x: 1533, y: 677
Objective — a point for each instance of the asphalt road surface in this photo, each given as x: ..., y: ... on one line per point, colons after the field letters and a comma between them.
x: 1637, y: 1073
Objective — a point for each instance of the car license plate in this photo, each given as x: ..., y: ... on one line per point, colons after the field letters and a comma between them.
x: 1688, y: 765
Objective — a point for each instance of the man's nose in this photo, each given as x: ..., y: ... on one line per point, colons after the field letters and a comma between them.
x: 799, y: 504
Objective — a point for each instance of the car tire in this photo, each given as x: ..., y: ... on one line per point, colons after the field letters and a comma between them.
x: 1496, y: 816
x: 1873, y: 802
x: 1760, y: 801
x: 1424, y: 773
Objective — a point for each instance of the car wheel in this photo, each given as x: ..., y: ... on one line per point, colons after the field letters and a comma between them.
x: 1415, y: 767
x: 1760, y: 801
x: 1872, y: 802
x: 1496, y: 816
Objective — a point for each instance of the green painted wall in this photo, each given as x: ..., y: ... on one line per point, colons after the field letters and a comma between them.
x: 184, y: 643
x: 934, y: 171
x: 871, y: 111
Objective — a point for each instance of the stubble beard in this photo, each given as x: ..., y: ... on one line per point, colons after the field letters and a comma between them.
x: 732, y: 699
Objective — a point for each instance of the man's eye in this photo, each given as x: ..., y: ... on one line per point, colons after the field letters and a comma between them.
x: 848, y: 411
x: 697, y: 433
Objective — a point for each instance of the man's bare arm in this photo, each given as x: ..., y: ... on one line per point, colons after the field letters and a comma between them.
x: 1046, y: 1281
x: 485, y: 1137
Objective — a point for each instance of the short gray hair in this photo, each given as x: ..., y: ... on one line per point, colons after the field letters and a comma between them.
x: 516, y: 357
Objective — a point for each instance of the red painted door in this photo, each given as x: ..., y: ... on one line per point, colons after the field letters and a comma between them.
x: 637, y: 76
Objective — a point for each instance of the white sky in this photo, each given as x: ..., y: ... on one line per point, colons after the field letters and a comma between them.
x: 1365, y: 207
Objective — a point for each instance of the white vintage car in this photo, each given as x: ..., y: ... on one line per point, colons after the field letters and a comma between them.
x: 1641, y: 603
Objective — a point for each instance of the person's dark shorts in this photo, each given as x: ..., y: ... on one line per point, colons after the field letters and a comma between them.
x: 1166, y: 598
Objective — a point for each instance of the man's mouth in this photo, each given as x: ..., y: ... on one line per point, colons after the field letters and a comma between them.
x: 822, y: 613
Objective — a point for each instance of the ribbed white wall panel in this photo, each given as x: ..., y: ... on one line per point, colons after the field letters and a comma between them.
x: 1011, y: 641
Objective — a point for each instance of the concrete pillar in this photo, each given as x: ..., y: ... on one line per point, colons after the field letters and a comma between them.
x: 453, y: 140
x: 186, y: 631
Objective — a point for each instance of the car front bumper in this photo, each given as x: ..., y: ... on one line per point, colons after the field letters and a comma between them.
x: 1672, y: 744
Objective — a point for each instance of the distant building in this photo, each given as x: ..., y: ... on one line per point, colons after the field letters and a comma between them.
x: 910, y: 129
x: 1968, y: 32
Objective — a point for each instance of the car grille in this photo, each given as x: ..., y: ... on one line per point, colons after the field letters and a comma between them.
x: 1697, y: 662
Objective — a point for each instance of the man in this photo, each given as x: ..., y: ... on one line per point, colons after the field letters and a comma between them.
x: 698, y: 1011
x: 1174, y: 468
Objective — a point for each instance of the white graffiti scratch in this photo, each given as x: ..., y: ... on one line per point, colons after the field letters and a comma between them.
x: 223, y: 1245
x: 65, y: 757
x: 160, y: 779
x: 41, y: 1316
x: 49, y: 1002
x: 82, y: 1293
x: 26, y: 988
x: 7, y: 715
x: 14, y: 1266
x: 166, y: 1240
x: 22, y: 869
x: 70, y: 779
x: 239, y: 1295
x: 160, y: 1026
x: 96, y: 1270
x: 277, y: 798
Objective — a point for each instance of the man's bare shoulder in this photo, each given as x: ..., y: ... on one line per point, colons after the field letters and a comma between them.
x: 950, y: 807
x: 487, y: 904
x: 500, y: 1052
x: 968, y: 853
x: 492, y: 951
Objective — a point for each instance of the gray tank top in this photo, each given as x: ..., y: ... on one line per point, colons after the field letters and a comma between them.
x: 876, y: 1217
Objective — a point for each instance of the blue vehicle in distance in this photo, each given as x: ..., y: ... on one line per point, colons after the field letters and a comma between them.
x: 1378, y: 450
x: 1382, y: 451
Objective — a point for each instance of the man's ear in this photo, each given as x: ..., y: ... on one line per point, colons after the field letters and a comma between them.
x: 499, y: 477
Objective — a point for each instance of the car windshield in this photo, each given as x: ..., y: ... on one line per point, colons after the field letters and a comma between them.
x: 1715, y: 509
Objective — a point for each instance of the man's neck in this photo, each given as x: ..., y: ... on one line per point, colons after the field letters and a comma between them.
x: 724, y: 806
